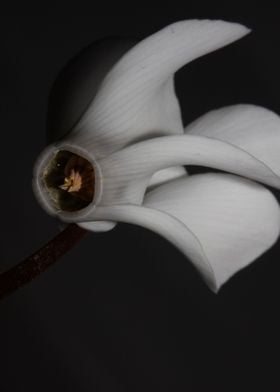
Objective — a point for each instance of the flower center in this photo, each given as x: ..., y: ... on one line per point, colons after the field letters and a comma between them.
x: 69, y: 180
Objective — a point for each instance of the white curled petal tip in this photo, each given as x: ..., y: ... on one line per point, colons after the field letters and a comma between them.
x: 253, y: 129
x: 137, y: 98
x: 235, y: 220
x: 97, y: 226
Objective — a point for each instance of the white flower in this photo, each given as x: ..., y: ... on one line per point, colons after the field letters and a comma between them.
x: 120, y: 149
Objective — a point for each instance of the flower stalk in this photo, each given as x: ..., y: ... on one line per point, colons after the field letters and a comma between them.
x: 28, y: 269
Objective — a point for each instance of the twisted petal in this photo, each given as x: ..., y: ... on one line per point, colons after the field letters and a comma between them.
x: 167, y: 226
x: 137, y: 99
x: 127, y: 173
x: 166, y: 175
x: 254, y: 129
x: 220, y: 222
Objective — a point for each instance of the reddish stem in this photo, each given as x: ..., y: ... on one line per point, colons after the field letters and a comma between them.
x: 39, y: 261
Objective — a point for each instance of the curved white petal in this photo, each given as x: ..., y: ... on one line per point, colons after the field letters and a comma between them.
x: 165, y: 175
x: 252, y: 128
x: 126, y: 173
x: 167, y: 226
x: 137, y: 99
x: 234, y: 219
x: 221, y: 222
x: 98, y: 226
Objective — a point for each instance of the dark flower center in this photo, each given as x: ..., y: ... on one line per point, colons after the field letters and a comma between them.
x: 69, y: 180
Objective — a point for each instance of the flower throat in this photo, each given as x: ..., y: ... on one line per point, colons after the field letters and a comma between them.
x: 69, y: 180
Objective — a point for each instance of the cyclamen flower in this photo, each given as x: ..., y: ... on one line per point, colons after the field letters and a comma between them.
x: 120, y: 150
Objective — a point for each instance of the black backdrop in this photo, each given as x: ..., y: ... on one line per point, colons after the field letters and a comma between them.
x: 124, y: 311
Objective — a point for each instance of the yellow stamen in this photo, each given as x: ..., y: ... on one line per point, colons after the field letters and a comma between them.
x: 72, y: 183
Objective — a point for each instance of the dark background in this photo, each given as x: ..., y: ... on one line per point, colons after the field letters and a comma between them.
x: 124, y: 311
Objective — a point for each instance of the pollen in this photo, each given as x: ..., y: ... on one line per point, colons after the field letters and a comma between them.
x: 73, y: 183
x: 78, y: 178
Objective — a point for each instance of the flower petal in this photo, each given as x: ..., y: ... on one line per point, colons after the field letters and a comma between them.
x: 234, y: 219
x: 126, y: 173
x: 97, y: 226
x: 165, y: 175
x: 137, y: 98
x: 167, y: 226
x: 252, y: 128
x: 78, y: 82
x: 221, y: 222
